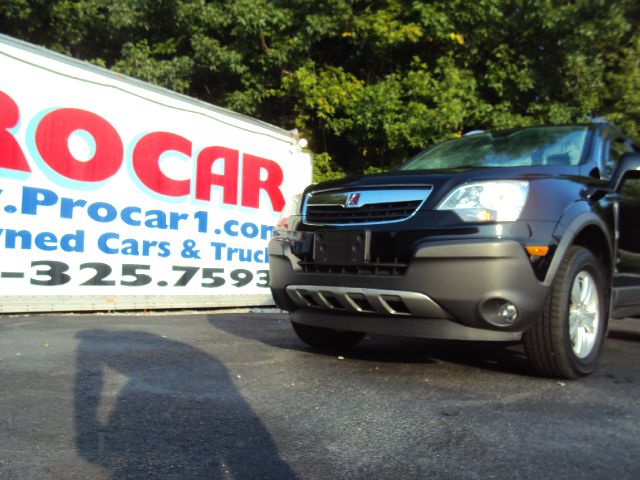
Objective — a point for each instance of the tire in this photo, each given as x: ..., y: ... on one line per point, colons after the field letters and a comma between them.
x: 326, y: 338
x: 567, y: 340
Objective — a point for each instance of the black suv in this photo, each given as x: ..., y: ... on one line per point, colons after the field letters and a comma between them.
x: 530, y: 234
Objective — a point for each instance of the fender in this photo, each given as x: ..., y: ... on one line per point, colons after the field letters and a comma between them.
x: 575, y: 219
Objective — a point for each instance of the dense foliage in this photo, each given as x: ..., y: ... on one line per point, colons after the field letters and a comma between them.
x: 368, y: 82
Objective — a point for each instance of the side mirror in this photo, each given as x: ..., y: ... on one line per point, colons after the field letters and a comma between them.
x: 630, y: 162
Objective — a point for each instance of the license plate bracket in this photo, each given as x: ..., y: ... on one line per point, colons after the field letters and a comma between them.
x: 341, y: 247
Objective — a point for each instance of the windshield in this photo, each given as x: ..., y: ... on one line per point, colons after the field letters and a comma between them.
x: 527, y: 147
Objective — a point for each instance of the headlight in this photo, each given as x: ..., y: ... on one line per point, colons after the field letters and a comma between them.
x: 291, y: 208
x: 496, y: 201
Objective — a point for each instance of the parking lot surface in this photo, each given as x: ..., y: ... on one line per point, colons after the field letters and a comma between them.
x: 236, y: 395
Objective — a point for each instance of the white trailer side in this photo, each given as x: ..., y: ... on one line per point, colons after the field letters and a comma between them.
x: 116, y: 194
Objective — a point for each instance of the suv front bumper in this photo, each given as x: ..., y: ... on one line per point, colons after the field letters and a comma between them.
x: 450, y: 289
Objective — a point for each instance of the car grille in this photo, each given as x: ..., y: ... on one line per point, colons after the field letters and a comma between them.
x: 361, y: 207
x: 375, y: 213
x: 377, y: 266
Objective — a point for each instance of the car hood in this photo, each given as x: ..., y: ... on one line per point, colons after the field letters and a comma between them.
x: 439, y: 178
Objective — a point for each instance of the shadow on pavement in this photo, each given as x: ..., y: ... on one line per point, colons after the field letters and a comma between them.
x: 148, y: 407
x: 276, y: 332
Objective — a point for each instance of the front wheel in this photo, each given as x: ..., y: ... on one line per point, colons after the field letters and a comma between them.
x: 326, y: 338
x: 566, y: 341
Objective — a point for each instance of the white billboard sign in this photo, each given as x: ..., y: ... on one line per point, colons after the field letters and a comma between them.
x: 115, y: 194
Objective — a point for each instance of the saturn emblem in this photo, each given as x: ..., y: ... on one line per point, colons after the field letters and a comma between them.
x: 352, y: 200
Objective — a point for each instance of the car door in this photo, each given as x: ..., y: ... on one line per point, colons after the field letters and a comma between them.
x: 626, y: 279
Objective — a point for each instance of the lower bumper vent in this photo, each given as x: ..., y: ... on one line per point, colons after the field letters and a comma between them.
x: 365, y: 300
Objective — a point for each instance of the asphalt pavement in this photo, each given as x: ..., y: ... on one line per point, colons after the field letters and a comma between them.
x: 236, y: 395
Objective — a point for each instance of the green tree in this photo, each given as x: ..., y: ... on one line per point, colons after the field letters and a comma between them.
x: 368, y: 82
